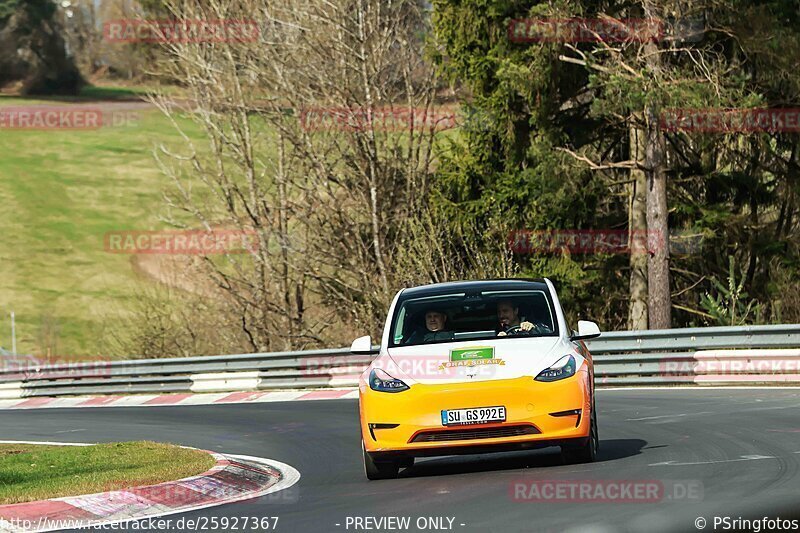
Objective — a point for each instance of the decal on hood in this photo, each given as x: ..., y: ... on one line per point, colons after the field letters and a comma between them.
x: 477, y: 362
x: 471, y: 357
x: 471, y: 354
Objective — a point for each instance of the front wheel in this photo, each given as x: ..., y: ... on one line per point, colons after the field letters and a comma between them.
x: 378, y: 469
x: 587, y: 453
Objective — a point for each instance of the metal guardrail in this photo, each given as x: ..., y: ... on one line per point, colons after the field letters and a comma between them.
x: 777, y: 336
x: 713, y: 356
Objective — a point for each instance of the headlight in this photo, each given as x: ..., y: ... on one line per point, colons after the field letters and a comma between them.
x: 382, y: 382
x: 563, y: 368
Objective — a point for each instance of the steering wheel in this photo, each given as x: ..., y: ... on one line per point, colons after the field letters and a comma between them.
x: 513, y: 329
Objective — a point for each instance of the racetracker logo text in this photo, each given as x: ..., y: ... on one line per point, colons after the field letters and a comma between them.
x: 181, y: 31
x: 583, y: 30
x: 605, y: 490
x: 63, y: 118
x: 178, y: 494
x: 181, y: 242
x: 732, y: 365
x: 417, y: 367
x: 731, y: 120
x: 357, y: 119
x: 30, y: 367
x: 585, y: 241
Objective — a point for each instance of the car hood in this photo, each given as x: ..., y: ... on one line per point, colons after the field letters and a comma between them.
x: 473, y: 361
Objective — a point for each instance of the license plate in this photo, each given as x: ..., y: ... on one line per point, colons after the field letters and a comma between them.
x: 475, y: 415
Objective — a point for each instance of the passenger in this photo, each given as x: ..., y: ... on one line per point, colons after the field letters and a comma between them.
x: 435, y: 322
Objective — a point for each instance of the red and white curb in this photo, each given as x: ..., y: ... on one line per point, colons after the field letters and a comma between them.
x: 233, y: 479
x: 153, y: 400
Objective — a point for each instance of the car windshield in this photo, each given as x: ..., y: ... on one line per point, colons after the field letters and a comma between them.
x: 471, y: 316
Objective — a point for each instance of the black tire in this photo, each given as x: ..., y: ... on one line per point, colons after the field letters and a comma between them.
x: 586, y: 453
x: 378, y: 469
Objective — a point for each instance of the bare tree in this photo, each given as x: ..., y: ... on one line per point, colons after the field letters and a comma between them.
x: 165, y: 320
x: 434, y: 251
x: 236, y: 179
x: 319, y: 139
x: 363, y: 135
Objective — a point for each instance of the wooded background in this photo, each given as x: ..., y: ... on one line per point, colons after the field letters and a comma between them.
x: 551, y: 135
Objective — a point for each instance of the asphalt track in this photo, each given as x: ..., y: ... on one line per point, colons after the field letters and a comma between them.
x: 737, y: 451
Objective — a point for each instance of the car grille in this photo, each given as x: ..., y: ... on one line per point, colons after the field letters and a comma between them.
x: 475, y: 433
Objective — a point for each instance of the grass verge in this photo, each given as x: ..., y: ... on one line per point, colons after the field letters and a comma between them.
x: 30, y: 472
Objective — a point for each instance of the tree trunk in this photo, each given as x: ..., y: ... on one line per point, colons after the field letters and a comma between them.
x: 637, y: 229
x: 283, y: 230
x: 659, y: 301
x: 372, y: 156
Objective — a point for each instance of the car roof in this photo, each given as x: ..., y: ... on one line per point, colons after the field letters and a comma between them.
x: 475, y: 286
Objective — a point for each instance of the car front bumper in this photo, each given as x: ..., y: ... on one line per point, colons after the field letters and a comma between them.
x: 538, y: 414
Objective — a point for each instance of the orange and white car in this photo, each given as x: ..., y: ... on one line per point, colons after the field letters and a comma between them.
x: 476, y: 366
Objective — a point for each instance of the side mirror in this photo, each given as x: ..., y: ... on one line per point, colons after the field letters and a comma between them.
x: 586, y: 330
x: 362, y: 346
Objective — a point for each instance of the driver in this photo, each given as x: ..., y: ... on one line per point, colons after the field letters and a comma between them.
x: 508, y: 316
x: 435, y: 321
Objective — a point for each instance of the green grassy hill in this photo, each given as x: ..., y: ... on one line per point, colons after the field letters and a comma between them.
x: 60, y: 192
